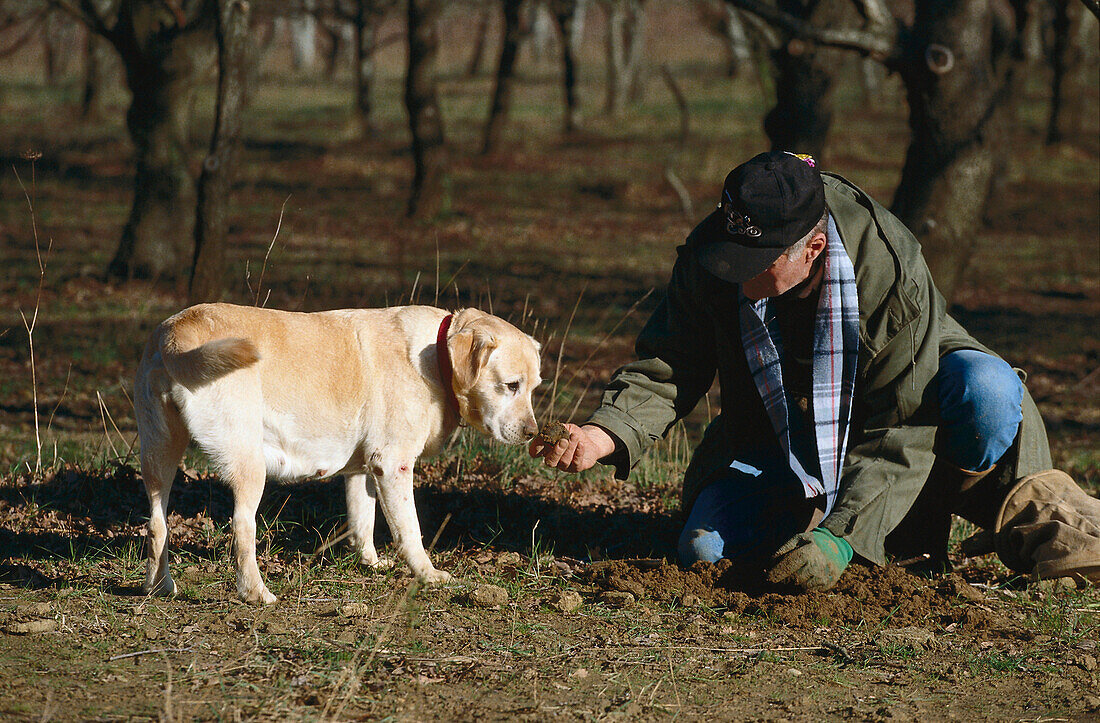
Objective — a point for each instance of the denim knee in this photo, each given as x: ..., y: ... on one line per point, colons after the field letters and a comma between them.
x: 980, y: 405
x: 700, y: 544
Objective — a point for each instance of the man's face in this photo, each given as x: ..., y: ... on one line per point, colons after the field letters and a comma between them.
x: 786, y: 273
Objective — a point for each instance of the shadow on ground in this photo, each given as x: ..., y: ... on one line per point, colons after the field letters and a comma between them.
x: 99, y: 514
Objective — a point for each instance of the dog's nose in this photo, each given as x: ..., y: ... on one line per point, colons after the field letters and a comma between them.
x: 530, y: 429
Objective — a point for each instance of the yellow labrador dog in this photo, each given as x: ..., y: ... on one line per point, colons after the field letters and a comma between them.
x: 362, y: 392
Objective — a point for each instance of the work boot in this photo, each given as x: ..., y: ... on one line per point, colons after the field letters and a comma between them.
x: 1049, y: 527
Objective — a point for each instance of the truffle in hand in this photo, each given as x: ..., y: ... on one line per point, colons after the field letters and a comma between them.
x: 553, y: 433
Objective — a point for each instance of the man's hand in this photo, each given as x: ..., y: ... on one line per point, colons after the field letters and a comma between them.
x: 579, y: 451
x: 813, y: 560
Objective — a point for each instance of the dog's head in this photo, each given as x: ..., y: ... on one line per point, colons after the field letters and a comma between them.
x: 496, y: 368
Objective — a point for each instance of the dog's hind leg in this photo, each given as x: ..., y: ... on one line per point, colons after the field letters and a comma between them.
x: 394, y: 477
x: 246, y: 478
x: 163, y: 440
x: 232, y: 435
x: 362, y: 497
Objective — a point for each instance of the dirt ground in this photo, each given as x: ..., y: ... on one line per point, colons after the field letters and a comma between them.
x: 565, y: 602
x: 535, y: 626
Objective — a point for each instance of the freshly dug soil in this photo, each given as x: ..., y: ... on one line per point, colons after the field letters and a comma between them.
x: 864, y: 595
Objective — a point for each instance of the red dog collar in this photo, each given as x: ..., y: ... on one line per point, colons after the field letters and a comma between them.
x: 446, y: 370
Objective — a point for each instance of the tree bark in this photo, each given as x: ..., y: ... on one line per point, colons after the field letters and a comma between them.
x: 625, y: 47
x: 162, y: 61
x: 805, y: 80
x: 502, y: 93
x: 570, y: 17
x: 1068, y: 69
x: 215, y: 181
x: 956, y: 59
x: 98, y: 63
x: 542, y: 28
x: 303, y: 38
x: 366, y: 35
x: 341, y: 37
x: 481, y: 35
x: 738, y: 47
x: 956, y: 71
x: 57, y: 45
x: 425, y: 120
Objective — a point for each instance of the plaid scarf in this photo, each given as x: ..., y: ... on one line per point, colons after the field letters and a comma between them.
x: 836, y: 345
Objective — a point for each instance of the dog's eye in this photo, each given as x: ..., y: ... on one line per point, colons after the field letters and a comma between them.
x: 513, y: 387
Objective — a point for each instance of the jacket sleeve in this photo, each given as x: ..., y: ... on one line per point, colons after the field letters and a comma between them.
x: 891, y: 450
x: 675, y: 368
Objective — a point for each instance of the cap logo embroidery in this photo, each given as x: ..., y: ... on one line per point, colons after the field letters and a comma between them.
x: 805, y: 157
x: 738, y: 224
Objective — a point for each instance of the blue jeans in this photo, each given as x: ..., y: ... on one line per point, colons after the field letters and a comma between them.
x: 758, y: 503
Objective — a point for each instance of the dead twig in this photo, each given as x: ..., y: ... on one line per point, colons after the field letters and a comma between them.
x: 263, y: 268
x: 30, y: 324
x: 103, y: 415
x: 151, y: 651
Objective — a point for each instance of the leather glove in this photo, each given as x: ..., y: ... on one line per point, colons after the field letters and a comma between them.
x: 813, y: 560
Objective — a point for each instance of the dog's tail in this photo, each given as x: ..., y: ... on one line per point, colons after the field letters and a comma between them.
x: 193, y: 361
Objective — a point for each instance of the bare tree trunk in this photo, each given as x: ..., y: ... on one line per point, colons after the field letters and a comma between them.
x: 737, y: 42
x: 57, y: 45
x: 157, y: 238
x: 366, y: 35
x: 542, y: 28
x: 570, y: 17
x: 162, y: 64
x: 625, y: 44
x: 1068, y: 68
x: 481, y: 35
x: 805, y: 80
x: 872, y: 75
x: 956, y: 78
x: 502, y: 94
x: 425, y: 120
x: 341, y: 37
x: 215, y: 181
x: 98, y: 63
x: 576, y: 29
x: 303, y: 38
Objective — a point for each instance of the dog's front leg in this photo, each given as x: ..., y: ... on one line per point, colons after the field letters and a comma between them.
x: 362, y: 497
x: 394, y: 477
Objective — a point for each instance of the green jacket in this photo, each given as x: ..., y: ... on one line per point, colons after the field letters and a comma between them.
x: 904, y: 329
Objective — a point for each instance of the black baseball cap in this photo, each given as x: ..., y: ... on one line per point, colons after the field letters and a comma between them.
x: 768, y: 203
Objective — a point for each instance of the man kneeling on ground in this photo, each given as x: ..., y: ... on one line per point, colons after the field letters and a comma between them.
x: 857, y: 415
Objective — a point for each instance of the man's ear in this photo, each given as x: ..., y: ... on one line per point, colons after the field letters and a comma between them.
x: 816, y: 245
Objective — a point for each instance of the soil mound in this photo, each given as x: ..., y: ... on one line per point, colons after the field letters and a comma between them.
x: 864, y: 596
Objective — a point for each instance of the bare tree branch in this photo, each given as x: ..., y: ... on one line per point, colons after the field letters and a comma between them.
x: 881, y: 46
x: 764, y: 30
x: 876, y: 12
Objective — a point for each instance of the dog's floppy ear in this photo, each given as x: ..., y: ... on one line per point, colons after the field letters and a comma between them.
x: 470, y: 343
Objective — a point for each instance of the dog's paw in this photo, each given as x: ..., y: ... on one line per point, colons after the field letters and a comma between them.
x: 258, y: 596
x: 435, y: 577
x: 165, y: 587
x: 378, y: 563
